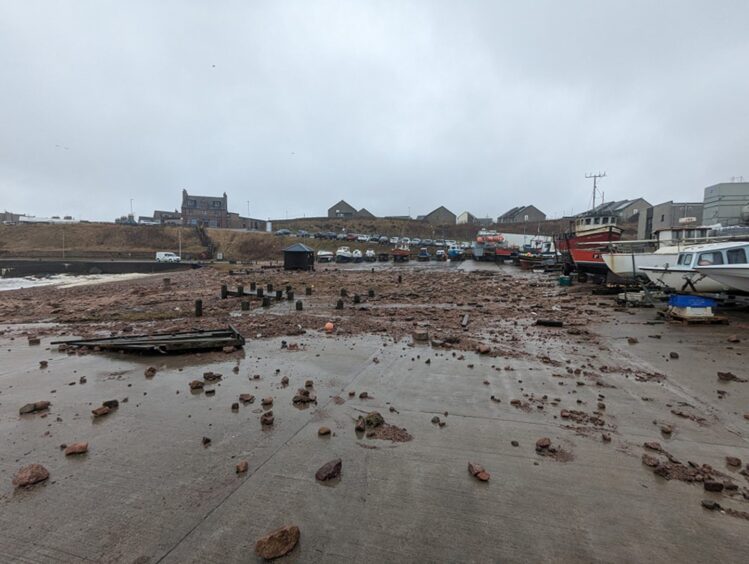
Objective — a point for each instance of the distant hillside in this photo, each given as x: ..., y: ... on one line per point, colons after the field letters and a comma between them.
x: 93, y: 240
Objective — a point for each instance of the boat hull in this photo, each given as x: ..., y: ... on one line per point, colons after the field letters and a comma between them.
x: 686, y: 281
x: 735, y: 276
x: 628, y: 265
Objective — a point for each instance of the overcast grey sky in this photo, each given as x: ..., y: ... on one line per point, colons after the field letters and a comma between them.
x: 391, y: 105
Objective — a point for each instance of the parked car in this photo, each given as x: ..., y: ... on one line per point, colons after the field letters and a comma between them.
x: 384, y: 240
x: 439, y: 242
x: 393, y: 240
x: 427, y: 242
x: 450, y: 243
x: 363, y: 238
x: 416, y: 241
x: 167, y: 257
x: 283, y: 232
x: 405, y: 241
x: 351, y: 236
x: 341, y: 236
x: 374, y: 239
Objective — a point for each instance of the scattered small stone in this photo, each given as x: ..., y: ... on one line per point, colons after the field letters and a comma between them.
x: 277, y: 543
x: 649, y: 460
x: 667, y: 429
x: 673, y: 355
x: 360, y: 425
x: 150, y: 372
x: 43, y: 364
x: 543, y: 443
x: 484, y: 349
x: 30, y: 475
x: 76, y: 448
x: 210, y: 392
x: 266, y: 419
x: 632, y: 340
x: 713, y: 486
x: 515, y: 443
x: 605, y: 437
x: 82, y: 380
x: 285, y: 381
x: 323, y: 431
x: 309, y: 384
x: 711, y: 505
x: 206, y: 441
x: 111, y: 404
x: 653, y: 445
x: 101, y: 411
x: 329, y: 470
x: 734, y: 339
x: 242, y: 467
x: 363, y: 395
x: 733, y: 461
x: 34, y: 407
x: 246, y: 398
x: 211, y: 376
x: 478, y: 472
x: 235, y: 406
x: 435, y: 420
x: 352, y: 393
x: 196, y: 385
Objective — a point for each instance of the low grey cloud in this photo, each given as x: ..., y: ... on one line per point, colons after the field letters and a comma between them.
x: 391, y: 105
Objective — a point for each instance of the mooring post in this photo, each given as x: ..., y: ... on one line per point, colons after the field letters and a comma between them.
x: 224, y: 290
x: 245, y: 305
x: 299, y: 305
x: 198, y: 308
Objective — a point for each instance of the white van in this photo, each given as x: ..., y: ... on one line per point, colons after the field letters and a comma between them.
x: 167, y: 257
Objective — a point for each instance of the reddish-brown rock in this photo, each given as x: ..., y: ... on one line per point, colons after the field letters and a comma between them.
x: 242, y: 467
x: 733, y: 461
x: 649, y: 460
x: 32, y: 407
x: 101, y: 411
x: 543, y: 443
x: 150, y: 372
x: 329, y: 470
x: 323, y: 431
x: 76, y: 448
x: 267, y: 401
x: 266, y: 418
x: 246, y: 398
x: 277, y: 543
x: 30, y: 475
x: 478, y: 472
x: 196, y: 385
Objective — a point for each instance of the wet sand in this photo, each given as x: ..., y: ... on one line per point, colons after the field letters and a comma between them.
x: 149, y: 491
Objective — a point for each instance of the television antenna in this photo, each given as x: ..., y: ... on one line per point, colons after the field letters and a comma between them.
x: 595, y: 177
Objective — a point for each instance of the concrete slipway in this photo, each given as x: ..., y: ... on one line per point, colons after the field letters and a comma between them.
x: 148, y: 491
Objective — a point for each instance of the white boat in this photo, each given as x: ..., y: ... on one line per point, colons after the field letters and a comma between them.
x: 734, y: 270
x: 325, y: 256
x: 628, y: 265
x: 357, y: 255
x: 343, y: 254
x: 685, y: 277
x: 370, y: 255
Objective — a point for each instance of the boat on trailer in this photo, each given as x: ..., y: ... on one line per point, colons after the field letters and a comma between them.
x: 734, y: 271
x: 582, y: 245
x: 691, y: 273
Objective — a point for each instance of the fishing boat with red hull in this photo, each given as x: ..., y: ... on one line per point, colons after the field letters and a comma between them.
x: 579, y: 247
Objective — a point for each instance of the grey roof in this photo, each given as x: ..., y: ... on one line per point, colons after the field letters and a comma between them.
x: 298, y: 248
x: 514, y: 212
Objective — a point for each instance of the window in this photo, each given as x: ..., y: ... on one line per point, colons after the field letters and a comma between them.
x: 709, y: 259
x: 587, y: 221
x: 216, y: 204
x: 663, y: 217
x: 605, y: 220
x: 685, y: 259
x: 193, y: 221
x: 598, y: 220
x: 736, y: 256
x: 192, y: 203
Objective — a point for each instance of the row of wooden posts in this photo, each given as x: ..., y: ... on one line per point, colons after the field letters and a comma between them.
x: 259, y: 292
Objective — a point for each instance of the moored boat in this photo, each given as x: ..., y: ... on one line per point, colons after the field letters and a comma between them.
x: 401, y: 253
x: 581, y: 246
x: 356, y: 255
x: 734, y: 270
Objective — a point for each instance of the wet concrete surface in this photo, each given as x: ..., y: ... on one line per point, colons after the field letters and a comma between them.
x: 149, y: 491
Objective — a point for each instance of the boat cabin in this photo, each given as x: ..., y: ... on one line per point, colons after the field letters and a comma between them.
x: 713, y: 254
x: 593, y: 221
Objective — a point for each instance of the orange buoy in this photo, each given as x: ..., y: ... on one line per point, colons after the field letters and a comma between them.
x: 329, y: 327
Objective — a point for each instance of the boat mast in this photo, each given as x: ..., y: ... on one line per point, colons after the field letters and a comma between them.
x: 595, y: 177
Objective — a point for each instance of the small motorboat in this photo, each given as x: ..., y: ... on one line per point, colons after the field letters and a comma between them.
x: 440, y: 254
x: 356, y: 255
x: 454, y: 252
x: 343, y: 254
x: 325, y: 256
x: 370, y: 255
x: 731, y: 269
x: 401, y: 253
x: 691, y: 273
x: 423, y: 255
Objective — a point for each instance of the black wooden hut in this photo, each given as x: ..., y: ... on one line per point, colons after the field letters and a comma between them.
x: 298, y: 257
